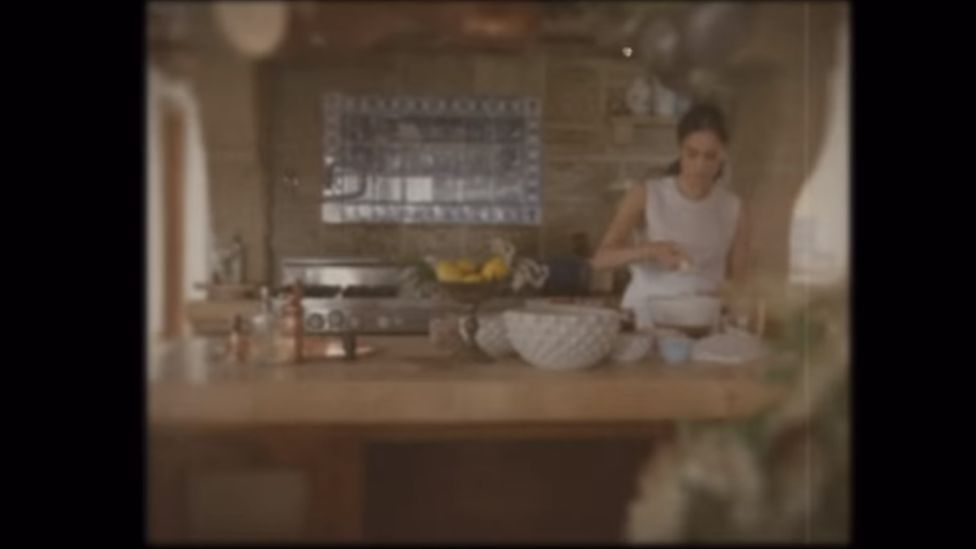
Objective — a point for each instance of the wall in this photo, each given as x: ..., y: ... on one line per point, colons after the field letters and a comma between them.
x: 574, y: 192
x: 780, y: 108
x: 264, y: 118
x: 779, y: 95
x: 226, y: 89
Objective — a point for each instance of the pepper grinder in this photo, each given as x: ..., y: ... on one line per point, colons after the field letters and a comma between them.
x: 237, y: 343
x: 293, y: 325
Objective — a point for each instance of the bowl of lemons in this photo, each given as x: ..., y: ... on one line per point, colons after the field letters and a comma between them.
x: 469, y: 281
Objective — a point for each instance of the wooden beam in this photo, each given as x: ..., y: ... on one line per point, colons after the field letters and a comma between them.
x: 173, y: 220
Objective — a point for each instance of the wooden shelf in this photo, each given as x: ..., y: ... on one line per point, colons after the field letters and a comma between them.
x: 645, y: 120
x: 643, y: 158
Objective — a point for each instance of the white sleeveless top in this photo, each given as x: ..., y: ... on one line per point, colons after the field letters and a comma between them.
x: 704, y: 229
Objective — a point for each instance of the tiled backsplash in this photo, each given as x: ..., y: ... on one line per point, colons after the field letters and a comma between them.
x: 432, y: 159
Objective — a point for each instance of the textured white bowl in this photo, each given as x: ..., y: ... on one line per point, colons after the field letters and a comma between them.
x: 693, y: 311
x: 632, y: 347
x: 492, y: 337
x: 562, y: 337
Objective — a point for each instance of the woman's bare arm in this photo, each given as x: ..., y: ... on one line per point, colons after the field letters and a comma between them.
x: 615, y: 250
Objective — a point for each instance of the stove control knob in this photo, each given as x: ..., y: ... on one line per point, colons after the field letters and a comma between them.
x: 383, y: 322
x: 355, y: 323
x: 314, y: 322
x: 337, y: 320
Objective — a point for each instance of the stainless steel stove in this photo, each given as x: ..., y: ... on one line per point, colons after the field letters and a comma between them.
x: 358, y: 296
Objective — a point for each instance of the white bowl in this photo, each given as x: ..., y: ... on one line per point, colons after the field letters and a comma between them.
x: 632, y: 347
x: 694, y: 311
x: 562, y: 337
x: 492, y: 337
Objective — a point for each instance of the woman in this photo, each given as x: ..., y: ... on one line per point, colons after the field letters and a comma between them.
x: 695, y: 233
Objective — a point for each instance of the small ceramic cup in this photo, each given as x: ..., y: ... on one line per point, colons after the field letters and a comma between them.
x: 675, y: 348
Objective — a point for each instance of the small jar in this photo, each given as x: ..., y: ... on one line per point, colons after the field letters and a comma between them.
x: 675, y: 348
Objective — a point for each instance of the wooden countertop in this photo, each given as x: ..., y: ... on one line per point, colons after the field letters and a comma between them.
x: 407, y: 381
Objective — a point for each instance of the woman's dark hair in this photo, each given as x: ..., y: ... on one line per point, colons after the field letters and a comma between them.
x: 702, y: 116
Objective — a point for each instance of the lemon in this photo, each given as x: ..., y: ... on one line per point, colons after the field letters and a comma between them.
x: 473, y: 278
x: 494, y: 269
x: 466, y: 266
x: 447, y: 271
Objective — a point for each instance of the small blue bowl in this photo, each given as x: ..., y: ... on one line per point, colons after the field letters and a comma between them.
x: 675, y: 350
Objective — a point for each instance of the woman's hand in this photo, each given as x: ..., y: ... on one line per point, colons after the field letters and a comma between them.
x: 667, y: 253
x: 617, y: 249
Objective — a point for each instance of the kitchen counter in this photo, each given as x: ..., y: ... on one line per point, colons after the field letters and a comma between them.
x: 408, y: 381
x: 358, y: 439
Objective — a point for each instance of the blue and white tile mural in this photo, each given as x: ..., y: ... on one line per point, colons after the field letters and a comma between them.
x: 462, y: 159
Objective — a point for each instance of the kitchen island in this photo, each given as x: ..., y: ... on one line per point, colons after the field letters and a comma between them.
x: 305, y: 432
